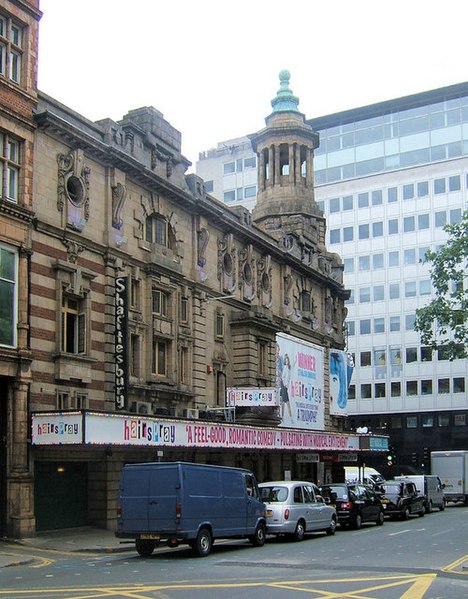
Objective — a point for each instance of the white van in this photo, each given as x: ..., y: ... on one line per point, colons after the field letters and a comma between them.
x: 363, y: 474
x: 431, y: 487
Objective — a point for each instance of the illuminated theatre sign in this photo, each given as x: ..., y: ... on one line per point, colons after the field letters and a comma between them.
x: 121, y: 342
x: 92, y: 428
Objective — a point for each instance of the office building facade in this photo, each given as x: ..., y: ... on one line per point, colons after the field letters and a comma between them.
x: 388, y: 177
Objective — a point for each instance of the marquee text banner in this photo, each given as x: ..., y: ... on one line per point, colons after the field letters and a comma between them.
x: 118, y: 429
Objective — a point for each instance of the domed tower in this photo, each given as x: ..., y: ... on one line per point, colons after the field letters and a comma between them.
x: 285, y: 150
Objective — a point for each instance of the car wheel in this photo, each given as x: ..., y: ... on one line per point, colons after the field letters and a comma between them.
x: 357, y: 522
x: 332, y: 528
x: 258, y: 539
x: 422, y: 512
x: 144, y: 548
x: 405, y: 514
x: 203, y: 543
x: 428, y: 507
x: 381, y: 519
x: 298, y: 534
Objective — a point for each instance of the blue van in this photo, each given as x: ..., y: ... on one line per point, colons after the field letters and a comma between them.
x: 180, y: 502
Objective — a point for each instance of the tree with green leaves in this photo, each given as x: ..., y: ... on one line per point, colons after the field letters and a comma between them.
x: 443, y: 323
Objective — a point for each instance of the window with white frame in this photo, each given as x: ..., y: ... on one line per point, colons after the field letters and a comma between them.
x: 159, y: 302
x: 9, y: 167
x: 8, y: 295
x: 11, y: 49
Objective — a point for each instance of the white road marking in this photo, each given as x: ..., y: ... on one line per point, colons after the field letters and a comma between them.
x: 400, y: 532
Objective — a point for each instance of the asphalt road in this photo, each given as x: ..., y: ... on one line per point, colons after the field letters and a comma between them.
x: 422, y: 557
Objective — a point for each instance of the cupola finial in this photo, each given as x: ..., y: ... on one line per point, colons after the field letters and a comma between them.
x: 285, y: 100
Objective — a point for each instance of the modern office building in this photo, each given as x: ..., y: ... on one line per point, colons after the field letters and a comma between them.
x: 388, y: 177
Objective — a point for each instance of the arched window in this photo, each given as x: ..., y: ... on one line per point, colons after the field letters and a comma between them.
x: 159, y: 231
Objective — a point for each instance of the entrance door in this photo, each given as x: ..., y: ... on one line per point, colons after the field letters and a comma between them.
x: 60, y: 495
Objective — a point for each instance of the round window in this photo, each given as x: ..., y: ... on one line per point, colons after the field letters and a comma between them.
x: 227, y: 263
x: 265, y: 282
x: 248, y: 273
x: 75, y: 190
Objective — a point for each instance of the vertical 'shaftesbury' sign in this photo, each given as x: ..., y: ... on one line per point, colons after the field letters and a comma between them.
x: 121, y: 342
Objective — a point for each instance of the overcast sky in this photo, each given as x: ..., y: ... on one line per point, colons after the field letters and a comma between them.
x: 211, y: 66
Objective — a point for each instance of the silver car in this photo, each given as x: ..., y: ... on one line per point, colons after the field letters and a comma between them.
x: 296, y: 507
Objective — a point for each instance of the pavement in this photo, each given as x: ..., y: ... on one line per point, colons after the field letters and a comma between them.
x: 83, y: 539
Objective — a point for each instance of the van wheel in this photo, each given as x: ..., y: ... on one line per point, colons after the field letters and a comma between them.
x: 258, y: 539
x: 298, y: 534
x: 203, y: 543
x: 144, y: 548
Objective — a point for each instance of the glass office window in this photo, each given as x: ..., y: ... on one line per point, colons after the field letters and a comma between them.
x: 392, y: 194
x: 364, y: 231
x: 439, y: 186
x: 365, y: 326
x: 408, y: 224
x: 440, y: 218
x: 348, y: 234
x: 394, y: 324
x: 455, y: 216
x: 411, y: 355
x: 377, y: 229
x: 348, y: 264
x: 426, y: 387
x: 423, y: 221
x: 335, y: 236
x: 408, y: 191
x: 412, y: 421
x: 394, y: 290
x: 454, y: 183
x: 422, y: 252
x: 379, y: 390
x: 410, y: 288
x: 366, y: 358
x: 350, y: 328
x: 394, y: 258
x: 426, y: 354
x: 444, y: 420
x: 366, y: 391
x: 334, y: 205
x: 427, y: 420
x: 363, y: 200
x: 423, y: 189
x: 364, y: 295
x: 410, y: 256
x: 379, y: 325
x: 378, y: 292
x: 395, y: 391
x: 364, y: 262
x: 425, y: 287
x: 411, y: 388
x: 443, y: 386
x: 459, y: 385
x: 409, y: 322
x: 377, y: 261
x: 377, y: 197
x: 393, y: 226
x: 347, y: 202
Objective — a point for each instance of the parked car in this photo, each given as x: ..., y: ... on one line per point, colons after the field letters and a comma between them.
x: 431, y: 487
x: 294, y: 508
x: 354, y: 504
x: 402, y: 499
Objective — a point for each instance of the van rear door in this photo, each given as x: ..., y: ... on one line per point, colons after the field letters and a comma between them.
x: 134, y: 485
x: 163, y: 495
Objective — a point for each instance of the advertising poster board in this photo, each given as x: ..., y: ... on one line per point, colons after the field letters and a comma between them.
x: 299, y: 378
x: 341, y: 369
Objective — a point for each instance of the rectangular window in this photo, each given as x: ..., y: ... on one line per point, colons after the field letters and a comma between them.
x: 455, y: 216
x: 209, y: 186
x: 410, y: 319
x: 239, y: 193
x: 366, y: 358
x: 394, y: 324
x: 377, y: 197
x: 364, y: 262
x: 183, y: 312
x: 411, y: 388
x: 364, y: 231
x: 380, y: 357
x: 229, y: 196
x: 134, y: 355
x: 442, y: 354
x: 348, y: 203
x: 427, y: 420
x: 350, y: 328
x: 426, y: 354
x: 348, y: 234
x: 352, y: 392
x: 394, y: 258
x: 229, y: 167
x: 348, y: 264
x: 440, y: 218
x: 410, y: 256
x: 444, y: 420
x: 134, y: 293
x: 439, y: 186
x: 160, y: 354
x: 426, y: 387
x: 8, y: 296
x: 262, y: 350
x: 250, y: 192
x: 395, y: 391
x: 365, y: 326
x: 159, y: 305
x: 459, y: 419
x: 377, y: 229
x: 239, y: 165
x: 459, y: 385
x: 11, y: 42
x: 425, y: 287
x: 423, y: 189
x: 379, y: 325
x: 219, y: 325
x: 378, y: 292
x: 9, y: 167
x: 393, y: 226
x: 334, y: 205
x: 377, y: 261
x: 454, y: 183
x: 411, y: 422
x: 394, y: 290
x: 411, y: 355
x: 363, y: 200
x: 364, y: 295
x: 392, y: 195
x: 350, y: 300
x: 366, y: 391
x: 335, y: 236
x: 250, y: 162
x: 422, y: 253
x: 184, y: 366
x: 408, y: 224
x: 408, y: 191
x: 410, y: 289
x: 423, y: 221
x: 379, y: 390
x: 73, y: 326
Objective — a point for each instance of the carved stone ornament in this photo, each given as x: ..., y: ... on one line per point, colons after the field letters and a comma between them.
x: 247, y: 272
x: 264, y: 281
x: 227, y: 262
x: 119, y: 194
x: 203, y: 237
x: 73, y: 250
x: 73, y: 189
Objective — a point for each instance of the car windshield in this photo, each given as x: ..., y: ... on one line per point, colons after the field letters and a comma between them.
x: 335, y: 492
x: 273, y: 494
x: 391, y: 488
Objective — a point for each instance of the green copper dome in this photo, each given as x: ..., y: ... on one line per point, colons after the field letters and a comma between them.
x: 285, y: 101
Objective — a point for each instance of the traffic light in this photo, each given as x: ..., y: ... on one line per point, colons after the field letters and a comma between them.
x: 391, y: 456
x: 389, y: 460
x: 426, y: 454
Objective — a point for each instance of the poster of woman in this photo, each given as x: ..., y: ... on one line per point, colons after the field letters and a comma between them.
x: 341, y: 368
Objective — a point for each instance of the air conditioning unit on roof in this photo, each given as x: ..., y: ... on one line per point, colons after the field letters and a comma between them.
x: 190, y: 413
